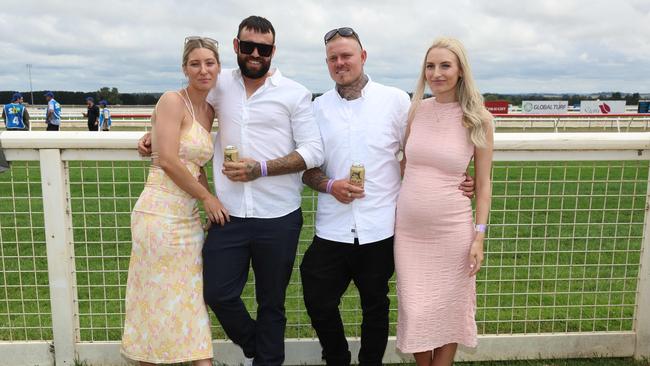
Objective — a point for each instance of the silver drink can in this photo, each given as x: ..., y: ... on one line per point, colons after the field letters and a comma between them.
x: 230, y: 154
x: 357, y: 174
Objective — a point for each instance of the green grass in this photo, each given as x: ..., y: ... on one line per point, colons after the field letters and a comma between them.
x: 562, y: 253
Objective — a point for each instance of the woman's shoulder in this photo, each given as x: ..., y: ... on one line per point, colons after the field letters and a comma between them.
x: 170, y: 99
x: 171, y: 102
x: 172, y: 96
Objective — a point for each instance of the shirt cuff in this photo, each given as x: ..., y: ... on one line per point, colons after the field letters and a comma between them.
x: 312, y: 159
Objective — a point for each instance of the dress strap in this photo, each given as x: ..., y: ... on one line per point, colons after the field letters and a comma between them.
x: 189, y: 106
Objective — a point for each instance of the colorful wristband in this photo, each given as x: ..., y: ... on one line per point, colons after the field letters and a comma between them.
x: 263, y: 168
x: 480, y: 228
x: 330, y: 183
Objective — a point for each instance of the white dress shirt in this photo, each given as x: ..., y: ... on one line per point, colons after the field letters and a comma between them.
x: 368, y: 130
x: 276, y: 120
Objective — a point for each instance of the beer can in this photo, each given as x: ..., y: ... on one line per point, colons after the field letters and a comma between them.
x: 357, y: 174
x: 230, y: 154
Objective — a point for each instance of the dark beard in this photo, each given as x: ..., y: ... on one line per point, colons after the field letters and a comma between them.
x: 265, y: 65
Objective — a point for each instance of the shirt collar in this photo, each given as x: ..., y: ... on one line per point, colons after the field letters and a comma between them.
x: 274, y: 79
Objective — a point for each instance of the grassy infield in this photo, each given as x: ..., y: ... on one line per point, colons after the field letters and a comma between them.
x: 563, y: 268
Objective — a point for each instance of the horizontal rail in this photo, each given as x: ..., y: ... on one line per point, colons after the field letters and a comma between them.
x: 502, y: 141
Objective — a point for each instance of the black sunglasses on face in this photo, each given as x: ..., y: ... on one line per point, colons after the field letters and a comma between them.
x: 343, y: 32
x: 264, y: 50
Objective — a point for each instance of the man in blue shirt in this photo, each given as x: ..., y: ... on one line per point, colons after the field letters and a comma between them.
x: 15, y: 114
x: 53, y: 115
x: 105, y: 116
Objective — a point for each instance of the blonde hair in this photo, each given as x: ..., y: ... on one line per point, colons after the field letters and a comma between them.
x: 193, y: 44
x: 470, y: 99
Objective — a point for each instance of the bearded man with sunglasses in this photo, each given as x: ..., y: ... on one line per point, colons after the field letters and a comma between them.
x: 361, y: 121
x: 268, y: 117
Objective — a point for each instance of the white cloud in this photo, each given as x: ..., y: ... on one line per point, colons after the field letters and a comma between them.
x: 514, y: 46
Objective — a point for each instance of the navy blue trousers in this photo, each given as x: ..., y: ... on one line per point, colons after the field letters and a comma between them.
x: 269, y: 246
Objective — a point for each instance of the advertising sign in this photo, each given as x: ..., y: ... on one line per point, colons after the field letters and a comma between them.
x: 544, y: 106
x: 644, y: 106
x: 602, y: 106
x: 497, y: 106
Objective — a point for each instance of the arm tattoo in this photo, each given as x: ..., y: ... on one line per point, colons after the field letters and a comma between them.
x: 253, y: 170
x: 291, y: 163
x: 316, y: 179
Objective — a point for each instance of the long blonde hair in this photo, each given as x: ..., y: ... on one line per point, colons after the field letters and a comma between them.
x: 470, y: 99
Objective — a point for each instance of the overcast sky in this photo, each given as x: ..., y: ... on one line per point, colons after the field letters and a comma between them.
x: 515, y: 46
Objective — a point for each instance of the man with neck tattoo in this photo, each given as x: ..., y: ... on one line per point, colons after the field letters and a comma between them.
x: 269, y: 119
x: 360, y: 121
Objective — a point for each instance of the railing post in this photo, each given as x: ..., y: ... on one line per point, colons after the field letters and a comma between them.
x: 60, y: 255
x: 641, y: 313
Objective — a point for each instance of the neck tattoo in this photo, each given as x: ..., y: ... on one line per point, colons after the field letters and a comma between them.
x: 352, y: 91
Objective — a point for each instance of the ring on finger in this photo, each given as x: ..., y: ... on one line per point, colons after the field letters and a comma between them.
x: 349, y: 194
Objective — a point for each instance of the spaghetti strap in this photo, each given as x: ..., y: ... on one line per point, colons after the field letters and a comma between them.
x: 190, y: 107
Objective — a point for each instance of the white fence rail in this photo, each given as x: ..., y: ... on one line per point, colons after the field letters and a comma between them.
x: 136, y: 118
x: 574, y: 122
x: 566, y: 274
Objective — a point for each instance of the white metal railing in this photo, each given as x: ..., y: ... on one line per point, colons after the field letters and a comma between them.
x: 574, y: 122
x: 136, y: 118
x: 566, y: 271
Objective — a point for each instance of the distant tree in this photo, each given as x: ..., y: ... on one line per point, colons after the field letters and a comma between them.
x: 632, y: 99
x: 111, y: 95
x: 489, y: 97
x: 616, y: 96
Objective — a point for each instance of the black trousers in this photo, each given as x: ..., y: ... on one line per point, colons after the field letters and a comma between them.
x: 326, y: 271
x: 92, y: 126
x: 269, y: 245
x: 51, y: 127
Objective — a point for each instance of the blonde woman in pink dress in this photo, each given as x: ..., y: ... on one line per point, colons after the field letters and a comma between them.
x: 438, y: 245
x: 166, y: 317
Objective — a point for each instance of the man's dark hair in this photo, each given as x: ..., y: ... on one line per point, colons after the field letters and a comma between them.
x: 256, y: 24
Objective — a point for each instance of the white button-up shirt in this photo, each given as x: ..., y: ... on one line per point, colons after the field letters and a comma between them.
x: 276, y: 120
x: 368, y: 130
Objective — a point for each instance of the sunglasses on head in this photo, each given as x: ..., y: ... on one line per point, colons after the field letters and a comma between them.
x: 343, y: 32
x: 202, y: 39
x: 246, y: 47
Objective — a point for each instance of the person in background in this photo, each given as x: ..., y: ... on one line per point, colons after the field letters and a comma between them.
x: 92, y: 114
x: 104, y: 116
x: 53, y: 113
x: 15, y: 114
x: 438, y: 248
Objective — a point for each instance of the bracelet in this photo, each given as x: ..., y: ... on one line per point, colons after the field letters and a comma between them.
x: 330, y: 183
x: 263, y: 168
x: 480, y: 228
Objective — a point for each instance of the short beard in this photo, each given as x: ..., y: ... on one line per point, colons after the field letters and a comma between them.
x: 264, y: 67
